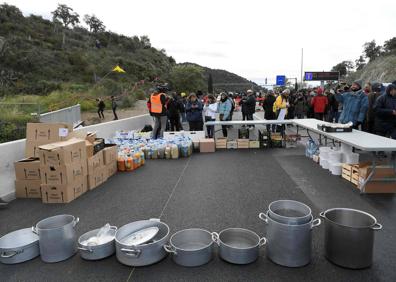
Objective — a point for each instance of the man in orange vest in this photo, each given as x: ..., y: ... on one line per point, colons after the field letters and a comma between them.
x: 158, y: 111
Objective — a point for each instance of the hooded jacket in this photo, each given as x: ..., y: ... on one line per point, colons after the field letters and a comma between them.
x: 319, y: 103
x: 355, y: 105
x: 225, y: 108
x: 383, y: 109
x: 194, y: 111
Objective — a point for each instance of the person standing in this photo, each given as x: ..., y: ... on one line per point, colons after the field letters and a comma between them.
x: 281, y: 103
x: 333, y: 114
x: 250, y: 105
x: 158, y: 112
x: 372, y: 97
x: 268, y: 106
x: 299, y: 107
x: 225, y: 107
x: 101, y: 107
x: 175, y: 107
x: 242, y: 104
x: 194, y: 109
x: 210, y: 110
x: 354, y: 105
x: 319, y: 104
x: 385, y: 113
x: 184, y: 102
x: 114, y: 106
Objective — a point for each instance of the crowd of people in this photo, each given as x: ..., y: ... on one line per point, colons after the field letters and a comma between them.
x: 369, y: 107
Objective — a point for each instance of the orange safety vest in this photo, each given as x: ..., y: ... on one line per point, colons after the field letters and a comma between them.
x: 156, y: 105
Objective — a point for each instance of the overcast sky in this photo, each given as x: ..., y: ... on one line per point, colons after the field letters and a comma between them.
x: 255, y: 39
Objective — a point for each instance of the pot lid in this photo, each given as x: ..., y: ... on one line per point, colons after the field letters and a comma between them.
x: 140, y: 237
x: 18, y: 239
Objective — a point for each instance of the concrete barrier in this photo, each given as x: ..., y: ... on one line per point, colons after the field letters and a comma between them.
x: 70, y: 115
x: 15, y: 150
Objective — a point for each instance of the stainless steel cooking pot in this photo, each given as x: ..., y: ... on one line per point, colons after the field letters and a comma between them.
x: 144, y: 254
x: 191, y: 247
x: 19, y: 246
x: 57, y: 237
x: 238, y: 245
x: 289, y: 212
x: 96, y: 252
x: 289, y: 245
x: 349, y: 237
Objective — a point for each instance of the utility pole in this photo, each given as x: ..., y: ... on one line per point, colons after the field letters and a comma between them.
x: 302, y: 66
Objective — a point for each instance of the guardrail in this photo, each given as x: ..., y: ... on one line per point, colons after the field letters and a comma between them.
x: 70, y: 115
x: 15, y: 150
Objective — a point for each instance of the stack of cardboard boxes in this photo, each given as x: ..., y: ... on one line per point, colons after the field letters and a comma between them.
x: 63, y: 167
x: 28, y: 179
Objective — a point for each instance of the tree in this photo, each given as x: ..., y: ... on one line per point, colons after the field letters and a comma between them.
x: 145, y: 41
x: 8, y: 13
x: 344, y: 68
x: 95, y: 25
x: 360, y: 63
x: 371, y: 50
x: 67, y: 17
x: 390, y: 46
x: 187, y: 78
x: 210, y: 84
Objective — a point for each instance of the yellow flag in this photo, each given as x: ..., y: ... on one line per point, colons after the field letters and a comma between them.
x: 118, y: 69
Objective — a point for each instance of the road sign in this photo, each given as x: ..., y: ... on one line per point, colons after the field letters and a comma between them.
x: 280, y: 80
x: 321, y: 76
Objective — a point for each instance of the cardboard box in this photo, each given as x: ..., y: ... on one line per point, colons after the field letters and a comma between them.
x: 207, y: 145
x: 375, y: 185
x: 65, y: 152
x: 28, y: 188
x: 48, y: 132
x: 63, y: 193
x: 95, y: 162
x: 53, y: 175
x: 221, y: 143
x: 243, y: 143
x: 32, y: 148
x: 98, y: 177
x: 254, y: 144
x: 27, y: 169
x: 232, y: 145
x: 111, y: 169
x: 110, y: 154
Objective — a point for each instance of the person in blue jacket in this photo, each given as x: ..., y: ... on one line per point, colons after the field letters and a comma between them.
x: 225, y: 108
x: 194, y: 113
x: 354, y: 105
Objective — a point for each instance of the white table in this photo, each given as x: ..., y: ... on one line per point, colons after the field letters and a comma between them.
x: 248, y: 122
x: 357, y: 139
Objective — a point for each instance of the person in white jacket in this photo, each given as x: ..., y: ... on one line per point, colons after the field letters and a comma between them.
x: 210, y: 111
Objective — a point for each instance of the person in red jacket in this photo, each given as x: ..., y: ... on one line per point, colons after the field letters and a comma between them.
x: 319, y: 104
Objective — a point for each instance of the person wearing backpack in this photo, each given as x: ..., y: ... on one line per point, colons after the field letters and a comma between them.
x: 101, y: 107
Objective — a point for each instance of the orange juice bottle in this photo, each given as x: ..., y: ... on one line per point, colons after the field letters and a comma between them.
x: 129, y: 164
x: 121, y: 163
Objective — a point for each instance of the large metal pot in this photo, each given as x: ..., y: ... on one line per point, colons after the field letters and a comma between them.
x: 98, y: 251
x: 289, y: 212
x: 349, y: 237
x: 289, y: 245
x: 143, y: 254
x: 57, y: 237
x: 191, y: 247
x: 238, y: 245
x: 19, y: 246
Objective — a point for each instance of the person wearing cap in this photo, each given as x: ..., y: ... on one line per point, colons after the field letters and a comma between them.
x: 319, y: 104
x: 385, y: 113
x: 355, y: 105
x: 372, y: 97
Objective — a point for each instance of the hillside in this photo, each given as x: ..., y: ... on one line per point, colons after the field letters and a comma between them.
x: 381, y: 69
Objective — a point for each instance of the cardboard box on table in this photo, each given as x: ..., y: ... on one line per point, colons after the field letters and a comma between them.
x: 63, y: 193
x: 28, y: 188
x: 27, y: 169
x: 375, y: 185
x: 38, y: 134
x: 207, y: 145
x: 72, y: 151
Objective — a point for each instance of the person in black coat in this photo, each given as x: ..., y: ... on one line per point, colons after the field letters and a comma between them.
x: 385, y: 113
x: 250, y: 106
x: 101, y: 107
x: 175, y: 108
x: 268, y: 107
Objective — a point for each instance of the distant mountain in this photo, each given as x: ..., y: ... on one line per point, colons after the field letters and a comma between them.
x: 227, y: 81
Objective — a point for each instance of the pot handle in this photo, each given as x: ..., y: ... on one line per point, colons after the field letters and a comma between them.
x: 85, y: 249
x: 216, y: 238
x: 132, y: 253
x: 262, y: 241
x: 77, y: 220
x: 115, y: 228
x: 377, y: 226
x: 263, y: 217
x: 155, y: 219
x: 322, y: 214
x: 170, y: 249
x: 316, y: 223
x: 10, y: 254
x: 34, y: 230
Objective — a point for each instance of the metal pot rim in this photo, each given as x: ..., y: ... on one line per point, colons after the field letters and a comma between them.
x: 191, y: 250
x: 291, y: 225
x: 354, y: 210
x: 20, y: 246
x: 238, y: 248
x: 145, y: 244
x: 60, y: 227
x: 288, y: 217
